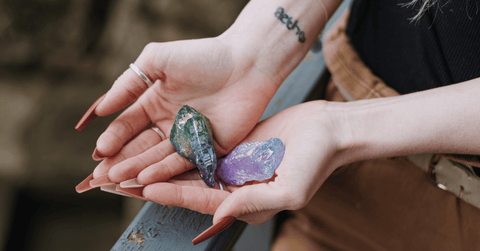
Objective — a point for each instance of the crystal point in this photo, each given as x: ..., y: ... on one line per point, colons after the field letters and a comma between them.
x: 191, y: 135
x: 251, y: 161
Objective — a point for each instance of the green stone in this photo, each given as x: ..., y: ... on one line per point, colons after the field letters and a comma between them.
x: 191, y: 135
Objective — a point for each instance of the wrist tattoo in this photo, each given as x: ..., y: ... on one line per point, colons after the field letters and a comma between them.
x: 287, y: 20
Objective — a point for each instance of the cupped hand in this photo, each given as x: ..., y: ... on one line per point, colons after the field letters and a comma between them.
x: 218, y: 79
x: 310, y: 135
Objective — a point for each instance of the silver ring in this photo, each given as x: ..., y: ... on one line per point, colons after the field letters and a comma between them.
x: 222, y: 186
x: 159, y: 132
x: 141, y: 75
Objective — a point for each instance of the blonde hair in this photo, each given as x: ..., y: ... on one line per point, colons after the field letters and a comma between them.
x: 425, y: 5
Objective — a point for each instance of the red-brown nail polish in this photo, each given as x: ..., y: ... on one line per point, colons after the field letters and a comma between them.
x: 136, y: 192
x: 214, y: 230
x: 101, y: 181
x: 97, y: 156
x: 84, y: 185
x: 112, y: 189
x: 90, y: 115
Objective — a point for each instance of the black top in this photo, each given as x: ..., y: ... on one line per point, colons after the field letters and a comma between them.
x: 441, y: 48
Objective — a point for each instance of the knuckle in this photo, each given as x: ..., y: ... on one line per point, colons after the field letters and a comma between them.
x: 150, y: 48
x: 161, y: 152
x: 250, y: 208
x: 133, y: 91
x: 124, y: 128
x: 142, y: 143
x: 164, y: 171
x: 179, y: 201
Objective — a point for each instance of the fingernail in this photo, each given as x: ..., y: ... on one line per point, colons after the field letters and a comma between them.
x: 136, y: 192
x: 97, y: 156
x: 112, y: 189
x: 101, y: 181
x: 132, y: 183
x: 214, y: 230
x: 89, y: 115
x: 84, y: 185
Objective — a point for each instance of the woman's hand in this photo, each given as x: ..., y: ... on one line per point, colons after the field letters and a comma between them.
x: 230, y: 79
x: 206, y: 74
x: 310, y: 135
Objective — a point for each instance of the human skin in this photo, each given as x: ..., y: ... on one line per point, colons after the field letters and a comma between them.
x: 229, y: 78
x: 319, y: 136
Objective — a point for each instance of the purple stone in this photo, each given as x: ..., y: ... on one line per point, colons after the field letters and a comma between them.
x: 251, y: 161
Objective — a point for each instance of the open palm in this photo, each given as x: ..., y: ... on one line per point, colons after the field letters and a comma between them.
x: 223, y: 84
x: 310, y: 144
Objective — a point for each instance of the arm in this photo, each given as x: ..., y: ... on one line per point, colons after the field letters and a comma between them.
x: 441, y: 120
x: 321, y: 136
x: 269, y: 32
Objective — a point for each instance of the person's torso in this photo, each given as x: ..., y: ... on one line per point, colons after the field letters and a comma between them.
x: 441, y: 48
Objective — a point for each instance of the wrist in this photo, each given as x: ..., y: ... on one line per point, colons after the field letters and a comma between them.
x: 341, y: 127
x: 275, y: 43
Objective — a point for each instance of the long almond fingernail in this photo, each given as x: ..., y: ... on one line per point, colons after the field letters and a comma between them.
x: 97, y: 156
x: 101, y: 181
x: 131, y: 183
x: 136, y: 192
x: 217, y: 228
x: 84, y: 185
x: 90, y: 115
x: 112, y: 189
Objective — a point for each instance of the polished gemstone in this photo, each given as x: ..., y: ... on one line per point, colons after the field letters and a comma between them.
x: 191, y: 135
x: 251, y: 161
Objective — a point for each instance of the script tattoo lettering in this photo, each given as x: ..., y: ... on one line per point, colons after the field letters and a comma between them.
x: 291, y: 25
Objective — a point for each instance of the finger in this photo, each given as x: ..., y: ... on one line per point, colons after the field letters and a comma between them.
x: 261, y: 201
x: 140, y: 144
x: 129, y: 86
x: 121, y: 130
x: 194, y: 183
x: 131, y: 167
x: 189, y: 175
x: 172, y: 165
x: 204, y: 200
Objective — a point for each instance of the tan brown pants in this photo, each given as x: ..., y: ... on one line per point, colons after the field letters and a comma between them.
x: 384, y: 204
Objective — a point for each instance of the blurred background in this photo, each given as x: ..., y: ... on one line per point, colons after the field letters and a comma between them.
x: 56, y: 58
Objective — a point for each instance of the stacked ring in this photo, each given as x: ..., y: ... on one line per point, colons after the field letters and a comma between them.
x: 141, y: 74
x: 159, y: 132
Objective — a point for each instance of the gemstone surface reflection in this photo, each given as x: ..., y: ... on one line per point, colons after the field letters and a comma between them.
x: 191, y: 135
x: 251, y: 161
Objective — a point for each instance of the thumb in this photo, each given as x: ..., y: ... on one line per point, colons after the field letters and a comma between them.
x: 254, y: 204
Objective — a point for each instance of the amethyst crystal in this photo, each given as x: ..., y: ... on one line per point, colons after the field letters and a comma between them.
x: 251, y: 161
x: 191, y: 135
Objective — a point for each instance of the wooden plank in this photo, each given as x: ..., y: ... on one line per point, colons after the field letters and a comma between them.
x: 158, y: 227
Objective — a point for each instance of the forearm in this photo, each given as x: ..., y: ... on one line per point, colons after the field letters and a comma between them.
x: 276, y: 40
x: 441, y: 120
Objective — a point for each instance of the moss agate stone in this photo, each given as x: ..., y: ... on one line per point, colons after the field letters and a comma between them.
x: 251, y: 161
x: 191, y: 135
